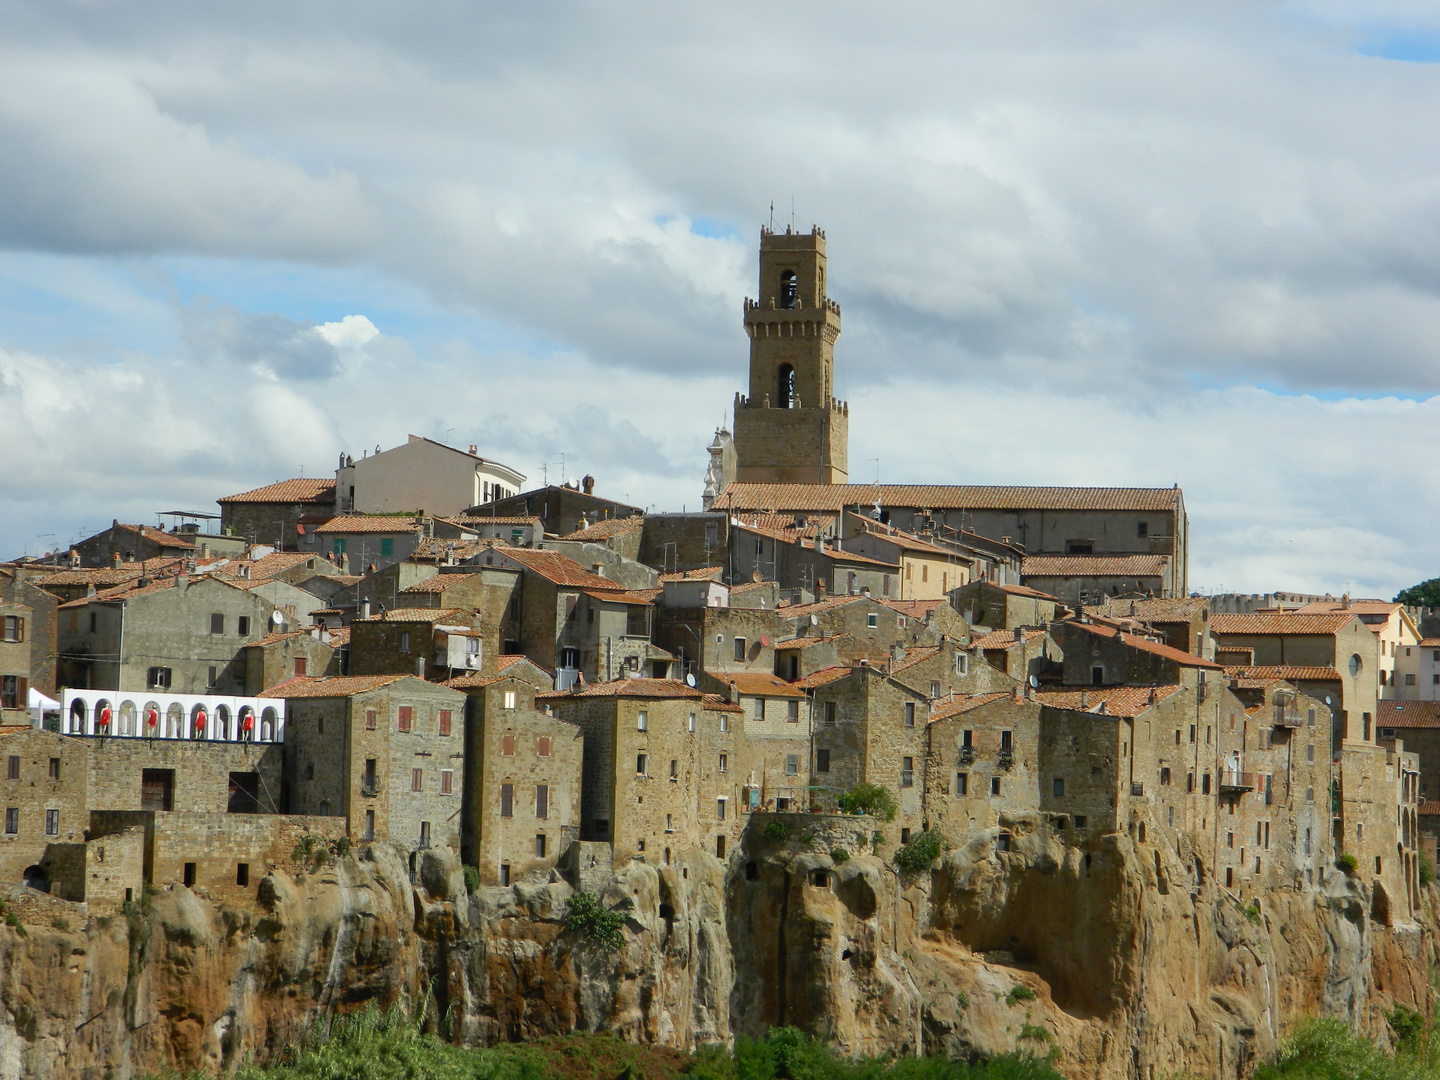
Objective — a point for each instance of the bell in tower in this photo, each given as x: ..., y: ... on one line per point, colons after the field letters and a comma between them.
x: 790, y: 429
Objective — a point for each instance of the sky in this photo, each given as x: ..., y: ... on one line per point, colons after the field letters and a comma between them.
x: 1123, y: 243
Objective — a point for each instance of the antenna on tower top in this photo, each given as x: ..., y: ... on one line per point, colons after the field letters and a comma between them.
x: 792, y: 213
x: 772, y: 215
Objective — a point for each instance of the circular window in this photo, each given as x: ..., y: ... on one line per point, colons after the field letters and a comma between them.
x: 1354, y: 663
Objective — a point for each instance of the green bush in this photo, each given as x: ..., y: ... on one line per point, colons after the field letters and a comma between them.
x: 876, y: 839
x: 870, y: 799
x: 1253, y: 913
x: 778, y: 831
x: 1408, y: 1026
x: 1347, y: 862
x: 921, y: 852
x: 588, y: 918
x: 962, y: 999
x: 1427, y: 870
x: 1019, y: 993
x: 839, y: 855
x: 61, y: 923
x: 1035, y: 1033
x: 472, y: 878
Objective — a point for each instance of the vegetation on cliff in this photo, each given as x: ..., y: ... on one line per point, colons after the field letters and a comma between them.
x: 1330, y: 1050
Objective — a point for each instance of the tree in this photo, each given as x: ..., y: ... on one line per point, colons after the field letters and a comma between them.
x: 1426, y: 594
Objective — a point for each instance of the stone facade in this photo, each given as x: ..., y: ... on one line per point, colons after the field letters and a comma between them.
x: 285, y: 513
x: 563, y: 510
x: 40, y: 626
x: 43, y: 783
x: 15, y: 651
x: 277, y: 657
x: 421, y: 475
x: 130, y: 543
x: 1003, y: 607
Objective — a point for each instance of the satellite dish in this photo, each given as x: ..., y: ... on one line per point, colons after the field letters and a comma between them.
x: 690, y: 680
x: 277, y: 618
x: 757, y: 577
x: 814, y: 620
x: 1034, y: 682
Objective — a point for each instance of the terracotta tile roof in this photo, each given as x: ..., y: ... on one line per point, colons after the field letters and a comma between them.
x: 300, y: 490
x: 1156, y: 610
x: 156, y: 536
x: 279, y: 561
x: 1184, y: 659
x: 604, y: 530
x: 557, y: 568
x: 466, y: 521
x: 716, y: 703
x: 708, y: 573
x: 914, y: 609
x: 1409, y: 714
x: 855, y: 557
x: 274, y: 639
x: 509, y: 660
x: 913, y: 657
x: 1094, y: 565
x: 473, y: 682
x: 748, y: 586
x: 622, y: 596
x: 1021, y: 590
x: 835, y: 497
x: 1276, y: 623
x: 757, y: 684
x: 422, y: 615
x: 1002, y: 639
x: 109, y: 577
x: 430, y: 547
x: 122, y: 592
x: 1238, y: 683
x: 1358, y: 607
x: 1232, y: 653
x: 1288, y: 672
x: 830, y: 603
x: 339, y: 636
x: 804, y: 642
x: 1431, y: 643
x: 823, y: 677
x: 785, y: 524
x: 908, y: 541
x: 438, y: 584
x: 636, y: 688
x: 370, y: 523
x: 946, y: 707
x: 320, y: 686
x: 1118, y: 700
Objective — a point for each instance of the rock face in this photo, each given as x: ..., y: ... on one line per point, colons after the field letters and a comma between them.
x: 1127, y: 957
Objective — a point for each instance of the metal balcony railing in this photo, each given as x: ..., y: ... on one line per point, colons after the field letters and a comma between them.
x: 1137, y: 789
x: 967, y: 755
x: 370, y: 786
x: 1007, y: 758
x: 1237, y: 782
x: 1287, y: 718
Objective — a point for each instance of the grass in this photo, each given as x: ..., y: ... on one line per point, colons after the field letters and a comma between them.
x: 1019, y: 993
x: 1330, y: 1050
x: 592, y: 921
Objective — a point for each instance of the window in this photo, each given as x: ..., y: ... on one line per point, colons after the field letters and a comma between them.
x: 1311, y: 722
x: 447, y: 781
x: 1057, y: 787
x: 1409, y: 679
x: 739, y: 648
x: 1097, y: 675
x: 387, y: 546
x: 907, y: 772
x: 924, y: 572
x: 424, y: 834
x: 505, y: 873
x: 872, y: 621
x: 371, y: 717
x: 1189, y: 782
x: 719, y: 847
x: 792, y: 712
x: 792, y: 764
x: 1365, y: 719
x: 909, y: 714
x: 669, y: 823
x: 510, y: 698
x: 54, y: 768
x: 1205, y: 784
x: 242, y: 625
x: 642, y: 721
x: 52, y: 822
x: 1165, y: 774
x: 217, y: 623
x: 14, y: 628
x: 12, y: 770
x: 724, y: 762
x: 543, y: 746
x: 724, y: 721
x: 158, y: 678
x: 369, y: 824
x: 642, y: 762
x: 12, y: 820
x: 1142, y: 528
x: 507, y: 800
x: 934, y: 689
x: 904, y: 836
x: 407, y: 717
x: 692, y: 723
x: 404, y: 640
x: 92, y: 622
x: 822, y: 759
x: 337, y: 546
x: 542, y: 800
x: 1310, y: 753
x: 720, y: 808
x: 829, y: 712
x: 994, y: 785
x: 1080, y: 821
x: 417, y: 779
x: 1007, y: 742
x: 189, y: 875
x: 540, y: 845
x: 962, y: 783
x: 962, y: 664
x: 446, y: 717
x: 1002, y: 842
x: 759, y: 708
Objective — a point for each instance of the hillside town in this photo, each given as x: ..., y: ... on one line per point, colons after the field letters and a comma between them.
x: 427, y: 650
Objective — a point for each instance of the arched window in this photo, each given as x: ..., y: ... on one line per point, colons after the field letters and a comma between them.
x: 175, y: 721
x: 77, y: 716
x: 222, y: 716
x: 789, y: 290
x: 127, y: 718
x: 198, y: 722
x: 785, y: 392
x: 267, y: 724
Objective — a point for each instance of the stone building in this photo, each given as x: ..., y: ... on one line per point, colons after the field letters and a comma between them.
x: 1021, y: 654
x: 359, y: 542
x: 1397, y: 638
x: 522, y: 792
x: 562, y: 508
x: 983, y: 761
x: 384, y: 752
x: 285, y: 513
x: 1003, y: 607
x: 624, y: 536
x: 1183, y: 623
x: 1082, y: 579
x: 791, y: 429
x: 44, y: 790
x: 15, y: 662
x: 1417, y: 725
x: 284, y: 655
x: 927, y: 570
x: 17, y: 590
x: 421, y: 476
x: 661, y: 771
x: 794, y: 560
x: 433, y: 643
x: 181, y: 633
x: 1311, y: 652
x: 677, y: 542
x: 131, y: 543
x: 775, y: 731
x: 1096, y: 654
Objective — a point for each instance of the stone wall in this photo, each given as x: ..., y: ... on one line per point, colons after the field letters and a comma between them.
x: 200, y: 769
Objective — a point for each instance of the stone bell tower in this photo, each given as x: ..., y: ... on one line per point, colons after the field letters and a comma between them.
x: 790, y: 429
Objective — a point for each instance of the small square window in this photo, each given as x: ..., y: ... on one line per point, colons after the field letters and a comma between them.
x: 1057, y: 787
x: 822, y: 760
x: 872, y: 620
x: 724, y: 762
x: 962, y: 783
x: 446, y: 718
x: 417, y: 779
x: 995, y: 785
x: 52, y: 822
x: 642, y: 721
x: 242, y: 625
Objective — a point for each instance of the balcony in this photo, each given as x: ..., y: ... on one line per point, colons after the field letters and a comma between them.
x: 370, y: 786
x: 1234, y: 783
x: 967, y: 755
x: 1007, y: 758
x: 1287, y: 718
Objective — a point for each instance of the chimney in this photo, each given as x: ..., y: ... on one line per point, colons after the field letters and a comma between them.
x: 1019, y: 633
x: 182, y: 582
x: 820, y: 588
x: 1152, y: 695
x: 1084, y: 700
x: 474, y: 450
x: 419, y: 667
x: 1345, y: 602
x: 587, y: 484
x: 115, y: 560
x: 365, y: 608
